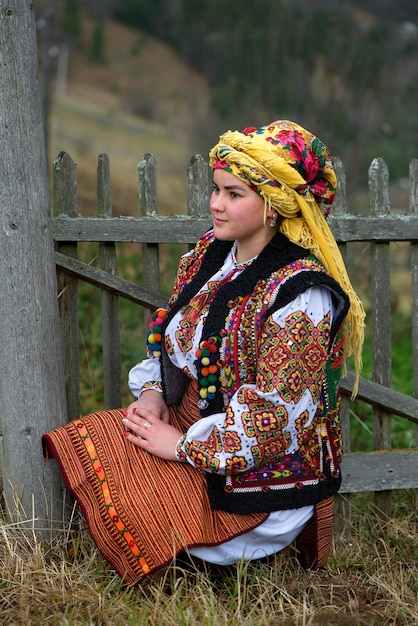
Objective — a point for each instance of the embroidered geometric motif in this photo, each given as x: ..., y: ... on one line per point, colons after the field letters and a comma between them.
x: 292, y: 358
x: 202, y: 453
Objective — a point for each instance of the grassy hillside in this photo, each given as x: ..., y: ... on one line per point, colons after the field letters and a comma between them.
x: 143, y: 99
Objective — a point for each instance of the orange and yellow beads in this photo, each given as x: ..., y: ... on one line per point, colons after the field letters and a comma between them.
x: 154, y: 336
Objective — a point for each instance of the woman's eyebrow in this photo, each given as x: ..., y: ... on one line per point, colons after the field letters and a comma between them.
x: 230, y: 187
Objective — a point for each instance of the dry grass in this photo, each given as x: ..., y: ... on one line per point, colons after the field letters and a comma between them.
x: 371, y: 579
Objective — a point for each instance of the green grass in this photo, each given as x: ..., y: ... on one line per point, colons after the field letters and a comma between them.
x: 131, y: 321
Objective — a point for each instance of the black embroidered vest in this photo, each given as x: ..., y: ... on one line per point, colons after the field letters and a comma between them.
x: 285, y: 269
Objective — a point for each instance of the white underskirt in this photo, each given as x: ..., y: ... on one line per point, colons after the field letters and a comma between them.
x: 273, y: 535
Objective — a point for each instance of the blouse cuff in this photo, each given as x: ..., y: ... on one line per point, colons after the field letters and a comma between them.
x: 151, y: 384
x: 180, y: 454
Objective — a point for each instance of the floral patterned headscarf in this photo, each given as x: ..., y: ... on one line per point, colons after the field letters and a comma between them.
x: 291, y: 170
x: 271, y: 158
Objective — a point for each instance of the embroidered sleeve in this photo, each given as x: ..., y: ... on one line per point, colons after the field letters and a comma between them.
x: 145, y: 375
x: 263, y: 419
x: 180, y: 454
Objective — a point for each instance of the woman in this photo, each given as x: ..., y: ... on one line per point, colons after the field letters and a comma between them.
x: 232, y: 449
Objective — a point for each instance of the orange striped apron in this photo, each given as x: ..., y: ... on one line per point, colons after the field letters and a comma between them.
x: 140, y: 510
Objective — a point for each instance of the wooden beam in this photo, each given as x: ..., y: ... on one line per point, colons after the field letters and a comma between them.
x: 186, y: 229
x: 389, y: 228
x: 379, y: 471
x: 382, y: 397
x: 161, y: 229
x: 113, y: 284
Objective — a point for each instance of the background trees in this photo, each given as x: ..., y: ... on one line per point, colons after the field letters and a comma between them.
x: 346, y: 70
x: 336, y: 67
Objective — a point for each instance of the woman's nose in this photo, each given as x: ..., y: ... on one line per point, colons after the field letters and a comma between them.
x: 215, y: 202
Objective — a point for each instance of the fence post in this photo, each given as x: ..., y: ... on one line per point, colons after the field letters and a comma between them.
x: 64, y: 204
x: 109, y: 302
x: 32, y: 391
x: 197, y: 187
x: 147, y: 181
x: 413, y: 208
x: 342, y: 503
x: 381, y: 315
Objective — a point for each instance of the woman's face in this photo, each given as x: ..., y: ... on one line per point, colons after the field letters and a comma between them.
x: 238, y: 214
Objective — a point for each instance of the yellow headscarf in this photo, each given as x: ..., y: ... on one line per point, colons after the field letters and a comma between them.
x: 291, y: 169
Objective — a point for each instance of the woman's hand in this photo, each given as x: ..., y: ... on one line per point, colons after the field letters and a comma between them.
x: 152, y: 401
x: 147, y: 424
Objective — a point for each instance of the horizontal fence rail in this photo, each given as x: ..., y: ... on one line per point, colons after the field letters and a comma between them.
x: 157, y: 229
x: 184, y: 229
x: 381, y: 470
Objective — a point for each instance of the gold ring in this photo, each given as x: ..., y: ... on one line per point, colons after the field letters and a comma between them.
x: 146, y: 425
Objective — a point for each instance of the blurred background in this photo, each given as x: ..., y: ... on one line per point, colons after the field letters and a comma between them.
x: 131, y: 76
x: 127, y: 77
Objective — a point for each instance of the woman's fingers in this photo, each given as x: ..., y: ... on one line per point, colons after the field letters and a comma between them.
x: 138, y: 425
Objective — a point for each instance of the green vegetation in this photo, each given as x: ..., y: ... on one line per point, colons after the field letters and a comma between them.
x: 72, y: 22
x: 98, y: 42
x: 132, y: 321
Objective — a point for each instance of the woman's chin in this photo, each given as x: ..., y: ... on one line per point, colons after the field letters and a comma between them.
x: 222, y: 233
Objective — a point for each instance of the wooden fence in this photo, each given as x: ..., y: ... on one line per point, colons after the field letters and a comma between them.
x: 379, y: 471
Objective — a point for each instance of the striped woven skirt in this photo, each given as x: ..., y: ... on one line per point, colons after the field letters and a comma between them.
x: 140, y: 510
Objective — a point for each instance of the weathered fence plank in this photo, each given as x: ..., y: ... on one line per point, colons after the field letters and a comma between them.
x: 64, y: 202
x: 374, y: 228
x: 147, y: 179
x: 151, y: 229
x: 113, y: 284
x: 32, y: 388
x: 382, y: 397
x: 342, y: 505
x: 386, y: 470
x: 109, y: 302
x: 198, y: 188
x: 413, y: 207
x: 182, y: 229
x: 380, y: 313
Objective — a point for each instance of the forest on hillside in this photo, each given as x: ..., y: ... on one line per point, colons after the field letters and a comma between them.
x: 347, y: 70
